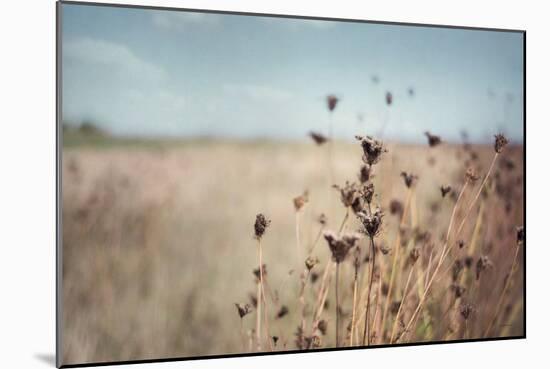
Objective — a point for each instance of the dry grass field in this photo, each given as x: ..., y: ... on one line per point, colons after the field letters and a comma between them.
x: 159, y: 245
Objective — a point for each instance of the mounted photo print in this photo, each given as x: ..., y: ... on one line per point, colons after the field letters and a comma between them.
x: 236, y: 183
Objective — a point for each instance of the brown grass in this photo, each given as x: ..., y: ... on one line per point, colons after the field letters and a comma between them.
x: 158, y: 246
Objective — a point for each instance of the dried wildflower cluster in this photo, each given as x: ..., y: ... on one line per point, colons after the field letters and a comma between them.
x: 500, y: 143
x: 340, y: 245
x: 260, y: 225
x: 373, y: 283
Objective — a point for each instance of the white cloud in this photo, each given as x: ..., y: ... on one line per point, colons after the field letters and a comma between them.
x: 111, y: 55
x: 173, y: 20
x: 257, y: 92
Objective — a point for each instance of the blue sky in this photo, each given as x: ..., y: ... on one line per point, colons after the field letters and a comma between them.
x: 139, y: 72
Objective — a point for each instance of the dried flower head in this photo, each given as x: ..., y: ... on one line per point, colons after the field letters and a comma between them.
x: 322, y: 219
x: 372, y: 149
x: 396, y: 207
x: 322, y: 327
x: 458, y: 290
x: 348, y: 193
x: 331, y: 102
x: 243, y: 309
x: 433, y: 140
x: 260, y: 225
x: 311, y: 262
x: 389, y: 98
x: 466, y: 310
x: 301, y: 200
x: 457, y: 269
x: 275, y: 340
x: 371, y: 222
x: 500, y: 142
x: 367, y: 192
x: 409, y: 178
x: 340, y: 245
x: 365, y: 173
x: 314, y: 277
x: 318, y: 138
x: 282, y: 312
x: 445, y: 190
x: 520, y: 235
x: 471, y: 175
x: 414, y: 255
x: 256, y: 272
x: 483, y: 263
x: 460, y: 244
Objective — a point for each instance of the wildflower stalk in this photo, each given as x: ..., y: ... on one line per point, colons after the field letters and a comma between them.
x: 366, y: 329
x: 337, y: 305
x: 354, y: 305
x: 298, y: 244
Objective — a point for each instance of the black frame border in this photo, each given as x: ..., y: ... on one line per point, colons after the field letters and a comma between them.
x: 58, y: 213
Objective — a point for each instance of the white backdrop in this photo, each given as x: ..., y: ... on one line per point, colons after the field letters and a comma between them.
x: 27, y: 192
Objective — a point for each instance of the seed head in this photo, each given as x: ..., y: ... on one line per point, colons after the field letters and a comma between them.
x: 409, y: 178
x: 520, y: 235
x: 364, y: 173
x: 458, y: 290
x: 433, y: 140
x: 348, y: 193
x: 389, y: 98
x: 301, y: 200
x: 471, y: 175
x: 483, y: 263
x: 372, y: 149
x: 243, y: 309
x: 261, y: 225
x: 322, y: 219
x: 340, y: 245
x: 256, y: 272
x: 457, y: 269
x: 322, y: 326
x: 460, y: 244
x: 331, y: 102
x: 396, y: 207
x: 318, y: 138
x: 414, y: 255
x: 282, y: 312
x: 445, y: 190
x: 500, y: 142
x: 466, y: 310
x: 367, y: 192
x: 311, y: 262
x: 371, y: 222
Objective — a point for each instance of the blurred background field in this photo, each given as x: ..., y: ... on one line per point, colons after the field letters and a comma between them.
x: 158, y: 234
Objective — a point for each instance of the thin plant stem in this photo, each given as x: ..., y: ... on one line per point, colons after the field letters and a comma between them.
x: 337, y: 333
x: 298, y: 246
x: 259, y: 317
x: 354, y: 303
x: 344, y: 221
x: 262, y: 300
x: 366, y: 330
